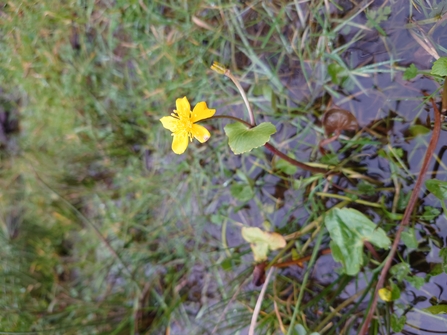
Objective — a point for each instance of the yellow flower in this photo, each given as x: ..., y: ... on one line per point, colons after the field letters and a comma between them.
x: 385, y: 294
x: 182, y: 124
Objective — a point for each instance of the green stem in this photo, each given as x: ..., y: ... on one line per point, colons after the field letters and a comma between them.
x: 244, y: 96
x: 343, y: 197
x: 444, y: 100
x: 273, y: 149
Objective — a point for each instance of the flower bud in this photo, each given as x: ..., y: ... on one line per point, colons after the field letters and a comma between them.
x: 219, y: 68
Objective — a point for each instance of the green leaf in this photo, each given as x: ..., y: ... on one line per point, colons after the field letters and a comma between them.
x: 400, y: 271
x: 349, y: 229
x: 300, y: 330
x: 242, y: 139
x: 398, y: 324
x: 389, y: 294
x: 409, y: 238
x: 430, y: 213
x: 437, y: 309
x: 285, y: 167
x: 335, y: 72
x: 330, y: 159
x: 436, y: 270
x: 242, y: 192
x: 443, y: 255
x: 415, y: 281
x: 261, y: 242
x: 418, y: 130
x: 399, y: 152
x: 227, y: 264
x: 440, y: 67
x: 244, y: 177
x: 366, y: 188
x: 437, y: 187
x: 374, y: 18
x: 395, y: 292
x: 393, y: 216
x: 402, y: 201
x: 410, y: 72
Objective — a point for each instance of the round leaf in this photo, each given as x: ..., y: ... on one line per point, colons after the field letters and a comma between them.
x: 242, y: 139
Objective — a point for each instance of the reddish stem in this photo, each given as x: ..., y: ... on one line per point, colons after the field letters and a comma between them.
x: 406, y: 218
x: 273, y: 149
x: 293, y: 161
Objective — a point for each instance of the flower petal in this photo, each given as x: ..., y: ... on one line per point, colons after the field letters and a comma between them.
x: 200, y: 133
x: 170, y: 123
x: 201, y: 111
x: 183, y: 108
x: 180, y: 142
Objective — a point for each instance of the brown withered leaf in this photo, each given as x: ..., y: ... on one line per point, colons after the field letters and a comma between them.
x: 335, y: 120
x: 259, y: 273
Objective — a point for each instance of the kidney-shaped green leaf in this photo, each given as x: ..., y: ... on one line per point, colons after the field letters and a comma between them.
x: 242, y: 138
x: 349, y: 229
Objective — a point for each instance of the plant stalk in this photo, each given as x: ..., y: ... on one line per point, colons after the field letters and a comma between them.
x: 406, y: 218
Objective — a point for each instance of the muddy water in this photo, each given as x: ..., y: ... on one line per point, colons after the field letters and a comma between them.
x: 384, y: 96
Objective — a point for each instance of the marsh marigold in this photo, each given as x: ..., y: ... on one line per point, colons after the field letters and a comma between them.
x: 182, y: 124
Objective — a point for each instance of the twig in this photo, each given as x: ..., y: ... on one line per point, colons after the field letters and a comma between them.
x: 406, y: 218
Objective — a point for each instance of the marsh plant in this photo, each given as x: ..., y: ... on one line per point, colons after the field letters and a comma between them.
x: 287, y: 195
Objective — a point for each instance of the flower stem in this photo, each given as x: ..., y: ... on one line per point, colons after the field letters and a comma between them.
x: 273, y: 149
x: 244, y: 96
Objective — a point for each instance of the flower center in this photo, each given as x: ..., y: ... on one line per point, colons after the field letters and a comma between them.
x: 186, y: 125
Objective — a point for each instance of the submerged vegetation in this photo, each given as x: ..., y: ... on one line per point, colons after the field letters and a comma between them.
x: 314, y: 194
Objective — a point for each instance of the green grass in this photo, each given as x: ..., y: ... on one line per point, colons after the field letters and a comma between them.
x: 106, y: 231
